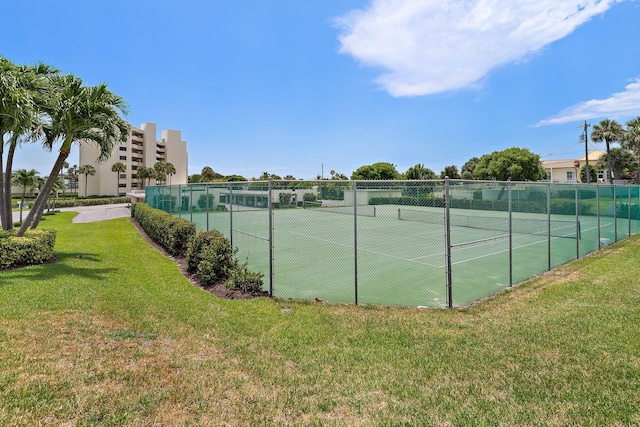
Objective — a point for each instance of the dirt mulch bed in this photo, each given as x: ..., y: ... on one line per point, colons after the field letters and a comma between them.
x: 218, y: 289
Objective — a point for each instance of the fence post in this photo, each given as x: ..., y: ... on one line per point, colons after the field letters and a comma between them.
x: 179, y: 201
x: 355, y: 240
x: 270, y: 204
x: 191, y: 203
x: 447, y: 239
x: 615, y: 215
x: 231, y: 214
x: 598, y: 213
x: 577, y: 224
x: 164, y: 199
x: 548, y: 226
x: 168, y: 198
x: 207, y: 192
x: 629, y: 209
x: 510, y: 234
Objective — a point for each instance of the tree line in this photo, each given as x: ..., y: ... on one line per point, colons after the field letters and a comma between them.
x: 515, y: 163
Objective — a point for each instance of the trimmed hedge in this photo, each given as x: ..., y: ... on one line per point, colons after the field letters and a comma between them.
x: 172, y: 233
x: 63, y: 203
x: 558, y: 206
x: 408, y: 201
x: 35, y: 247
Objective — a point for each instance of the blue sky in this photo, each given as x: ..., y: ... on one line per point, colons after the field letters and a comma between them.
x: 298, y: 87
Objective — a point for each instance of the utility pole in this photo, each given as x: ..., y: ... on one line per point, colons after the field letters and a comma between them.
x: 586, y: 150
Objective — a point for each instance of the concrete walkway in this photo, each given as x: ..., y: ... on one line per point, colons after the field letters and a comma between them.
x: 90, y: 213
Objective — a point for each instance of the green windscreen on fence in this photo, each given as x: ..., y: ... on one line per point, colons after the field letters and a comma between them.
x: 437, y: 243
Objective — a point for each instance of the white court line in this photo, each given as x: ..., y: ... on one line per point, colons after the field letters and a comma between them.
x: 505, y: 250
x: 417, y: 259
x: 360, y: 249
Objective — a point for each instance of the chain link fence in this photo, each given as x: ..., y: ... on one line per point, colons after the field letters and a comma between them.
x: 439, y: 243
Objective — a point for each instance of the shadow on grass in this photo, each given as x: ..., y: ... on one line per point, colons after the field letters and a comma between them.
x: 64, y: 256
x: 67, y: 264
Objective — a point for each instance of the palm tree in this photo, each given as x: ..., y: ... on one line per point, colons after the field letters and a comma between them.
x: 118, y: 168
x: 631, y: 140
x: 23, y: 90
x: 58, y: 186
x: 419, y: 172
x: 38, y: 183
x: 608, y: 131
x: 170, y: 170
x: 25, y: 179
x: 65, y: 165
x: 450, y: 171
x: 86, y: 170
x: 72, y: 176
x: 143, y: 173
x: 207, y: 174
x: 160, y: 172
x: 78, y: 113
x: 618, y: 160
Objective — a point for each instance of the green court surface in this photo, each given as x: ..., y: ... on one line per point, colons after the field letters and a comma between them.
x: 403, y: 262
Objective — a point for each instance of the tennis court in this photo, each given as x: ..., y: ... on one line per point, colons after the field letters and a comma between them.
x: 392, y: 254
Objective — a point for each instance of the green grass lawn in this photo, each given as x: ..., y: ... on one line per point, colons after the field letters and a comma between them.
x: 112, y: 334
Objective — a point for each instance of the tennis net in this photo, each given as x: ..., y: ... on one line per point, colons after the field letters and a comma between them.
x: 364, y: 210
x: 540, y: 227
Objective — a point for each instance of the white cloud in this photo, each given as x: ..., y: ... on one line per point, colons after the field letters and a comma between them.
x: 620, y: 104
x: 433, y: 46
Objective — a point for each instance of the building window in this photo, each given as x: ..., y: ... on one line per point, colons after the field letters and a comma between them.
x: 123, y: 157
x: 571, y: 175
x: 123, y: 148
x: 123, y: 175
x: 122, y: 185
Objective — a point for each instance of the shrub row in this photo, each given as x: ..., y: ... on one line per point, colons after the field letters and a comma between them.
x: 623, y: 211
x: 172, y: 233
x: 208, y: 254
x: 35, y: 247
x: 559, y: 206
x: 408, y: 201
x: 71, y: 203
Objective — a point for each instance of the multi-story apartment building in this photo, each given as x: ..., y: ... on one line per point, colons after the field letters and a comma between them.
x: 141, y: 149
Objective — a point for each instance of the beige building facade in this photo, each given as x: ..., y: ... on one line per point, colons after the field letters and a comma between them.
x: 567, y: 171
x: 142, y: 148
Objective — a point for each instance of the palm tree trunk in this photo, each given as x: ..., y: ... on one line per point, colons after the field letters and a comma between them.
x: 7, y: 181
x: 3, y: 195
x: 24, y: 193
x: 609, y: 176
x: 35, y: 213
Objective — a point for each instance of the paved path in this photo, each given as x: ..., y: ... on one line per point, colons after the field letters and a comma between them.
x: 90, y: 213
